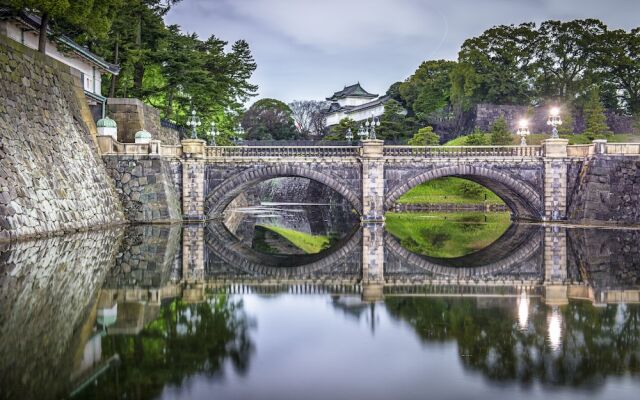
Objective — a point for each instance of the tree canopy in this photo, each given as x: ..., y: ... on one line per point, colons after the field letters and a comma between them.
x: 269, y: 119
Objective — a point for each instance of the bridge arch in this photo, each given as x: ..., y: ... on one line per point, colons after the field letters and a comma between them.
x: 523, y: 200
x: 220, y: 197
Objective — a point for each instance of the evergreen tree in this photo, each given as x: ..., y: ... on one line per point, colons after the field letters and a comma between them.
x: 567, y: 122
x: 477, y: 138
x: 339, y: 131
x: 425, y: 137
x: 392, y: 122
x: 595, y: 119
x: 500, y: 135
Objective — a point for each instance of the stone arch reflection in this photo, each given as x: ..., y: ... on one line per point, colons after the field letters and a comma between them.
x: 519, y: 249
x: 227, y: 254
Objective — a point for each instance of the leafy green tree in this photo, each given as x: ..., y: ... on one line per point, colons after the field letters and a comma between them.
x: 477, y: 138
x: 595, y: 119
x: 501, y: 60
x: 269, y: 119
x: 500, y: 135
x: 425, y: 137
x: 428, y: 89
x: 618, y: 62
x: 392, y: 122
x: 564, y: 56
x: 339, y: 131
x: 92, y: 17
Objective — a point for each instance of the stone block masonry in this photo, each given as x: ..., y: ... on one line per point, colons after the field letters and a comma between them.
x: 52, y: 179
x: 608, y: 191
x: 146, y: 187
x: 132, y: 115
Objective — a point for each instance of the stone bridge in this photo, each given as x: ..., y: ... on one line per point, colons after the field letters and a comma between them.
x: 535, y: 182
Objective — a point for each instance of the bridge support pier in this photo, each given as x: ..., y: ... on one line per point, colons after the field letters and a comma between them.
x: 372, y: 261
x: 555, y: 179
x: 193, y: 180
x: 555, y: 266
x: 372, y: 181
x: 193, y: 253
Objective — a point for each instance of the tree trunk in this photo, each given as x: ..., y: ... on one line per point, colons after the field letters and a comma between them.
x: 138, y: 68
x: 42, y: 39
x: 116, y: 60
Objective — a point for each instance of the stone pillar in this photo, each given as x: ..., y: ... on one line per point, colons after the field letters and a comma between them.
x: 600, y: 146
x: 555, y: 265
x: 372, y: 180
x: 193, y: 180
x: 193, y: 253
x: 372, y: 261
x: 555, y: 179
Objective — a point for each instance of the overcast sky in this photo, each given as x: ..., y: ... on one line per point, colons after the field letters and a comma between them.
x: 307, y: 49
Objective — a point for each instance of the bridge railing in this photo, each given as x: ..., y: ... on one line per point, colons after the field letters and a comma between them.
x: 281, y: 151
x: 623, y: 148
x: 580, y: 150
x: 463, y: 151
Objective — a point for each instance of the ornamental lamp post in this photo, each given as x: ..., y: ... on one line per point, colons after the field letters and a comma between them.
x: 523, y: 131
x: 362, y: 133
x: 371, y: 126
x: 349, y: 135
x: 193, y: 121
x: 239, y: 132
x: 213, y: 132
x: 554, y: 121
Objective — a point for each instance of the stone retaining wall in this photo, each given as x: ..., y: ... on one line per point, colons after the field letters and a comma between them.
x: 51, y: 177
x: 486, y: 114
x: 146, y: 188
x: 608, y: 191
x: 133, y: 115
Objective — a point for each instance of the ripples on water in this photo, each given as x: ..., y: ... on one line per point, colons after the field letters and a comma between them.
x: 470, y: 308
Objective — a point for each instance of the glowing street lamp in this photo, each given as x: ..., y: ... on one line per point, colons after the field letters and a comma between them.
x: 193, y: 121
x: 349, y: 135
x: 554, y: 121
x: 523, y: 131
x: 213, y: 132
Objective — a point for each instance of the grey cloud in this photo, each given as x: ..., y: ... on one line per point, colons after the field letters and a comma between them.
x: 306, y: 49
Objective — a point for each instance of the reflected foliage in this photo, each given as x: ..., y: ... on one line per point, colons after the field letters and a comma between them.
x: 595, y: 342
x: 446, y: 235
x: 186, y: 339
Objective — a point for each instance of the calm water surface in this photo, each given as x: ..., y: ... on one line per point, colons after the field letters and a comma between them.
x: 300, y: 302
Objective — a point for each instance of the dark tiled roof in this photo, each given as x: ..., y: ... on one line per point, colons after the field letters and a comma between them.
x: 335, y: 107
x: 351, y: 91
x: 33, y: 21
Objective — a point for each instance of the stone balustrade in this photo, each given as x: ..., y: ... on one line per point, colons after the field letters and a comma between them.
x: 463, y: 151
x: 110, y: 146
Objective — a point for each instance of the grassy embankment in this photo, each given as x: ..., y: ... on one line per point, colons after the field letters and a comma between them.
x: 446, y: 235
x: 306, y: 242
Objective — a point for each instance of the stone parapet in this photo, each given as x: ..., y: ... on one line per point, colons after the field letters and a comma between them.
x: 132, y: 115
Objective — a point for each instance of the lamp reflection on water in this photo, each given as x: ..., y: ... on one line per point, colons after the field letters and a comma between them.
x: 554, y: 328
x: 523, y: 310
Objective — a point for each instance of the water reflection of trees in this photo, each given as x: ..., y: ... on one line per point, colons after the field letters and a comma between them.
x: 594, y: 343
x: 186, y: 339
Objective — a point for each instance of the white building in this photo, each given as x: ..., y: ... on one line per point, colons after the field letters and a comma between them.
x: 356, y: 103
x: 24, y: 28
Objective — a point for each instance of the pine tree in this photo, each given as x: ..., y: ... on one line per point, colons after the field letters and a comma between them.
x: 595, y: 119
x: 500, y: 135
x: 567, y: 122
x: 425, y: 137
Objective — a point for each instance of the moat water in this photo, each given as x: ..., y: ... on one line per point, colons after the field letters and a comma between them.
x: 290, y: 301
